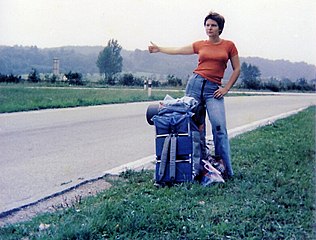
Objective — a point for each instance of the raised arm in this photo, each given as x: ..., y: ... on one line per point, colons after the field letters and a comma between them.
x: 186, y: 50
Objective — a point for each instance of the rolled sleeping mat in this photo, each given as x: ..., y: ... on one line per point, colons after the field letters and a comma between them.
x: 152, y: 110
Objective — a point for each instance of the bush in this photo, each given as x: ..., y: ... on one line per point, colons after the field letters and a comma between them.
x: 174, y: 81
x: 302, y: 85
x: 252, y: 84
x: 10, y: 78
x: 272, y: 85
x: 74, y: 78
x: 129, y: 80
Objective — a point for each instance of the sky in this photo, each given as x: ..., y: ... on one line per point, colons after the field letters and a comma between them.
x: 272, y: 29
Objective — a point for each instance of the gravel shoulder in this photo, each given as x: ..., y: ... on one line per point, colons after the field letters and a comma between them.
x: 59, y: 201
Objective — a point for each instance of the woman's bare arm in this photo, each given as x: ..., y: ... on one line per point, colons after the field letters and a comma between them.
x: 185, y: 50
x: 222, y: 91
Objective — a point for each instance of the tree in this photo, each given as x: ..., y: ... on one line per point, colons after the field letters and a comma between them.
x: 33, y: 76
x: 110, y: 60
x: 250, y: 76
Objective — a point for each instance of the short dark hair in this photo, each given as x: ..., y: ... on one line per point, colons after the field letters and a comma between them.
x: 217, y: 18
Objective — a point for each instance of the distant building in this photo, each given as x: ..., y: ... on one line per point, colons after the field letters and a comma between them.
x: 56, y: 66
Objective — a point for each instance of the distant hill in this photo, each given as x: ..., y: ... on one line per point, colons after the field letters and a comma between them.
x: 283, y: 68
x: 20, y: 60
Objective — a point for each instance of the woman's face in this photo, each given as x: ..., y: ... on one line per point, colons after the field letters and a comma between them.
x: 211, y: 28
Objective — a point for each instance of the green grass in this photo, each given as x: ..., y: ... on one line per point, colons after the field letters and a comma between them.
x: 21, y: 98
x: 26, y: 97
x: 272, y: 196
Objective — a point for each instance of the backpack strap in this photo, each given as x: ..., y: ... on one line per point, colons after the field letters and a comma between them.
x: 200, y: 111
x: 196, y: 152
x: 202, y: 89
x: 164, y: 157
x: 173, y: 153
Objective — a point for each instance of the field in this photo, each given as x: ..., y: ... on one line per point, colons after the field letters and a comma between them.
x: 20, y: 98
x: 272, y: 196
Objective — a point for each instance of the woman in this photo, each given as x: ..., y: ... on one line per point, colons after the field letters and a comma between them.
x: 214, y: 54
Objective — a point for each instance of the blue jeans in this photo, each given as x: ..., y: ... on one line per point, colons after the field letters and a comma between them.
x: 216, y: 113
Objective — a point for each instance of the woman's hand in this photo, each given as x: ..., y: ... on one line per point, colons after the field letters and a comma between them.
x: 221, y: 92
x: 153, y: 48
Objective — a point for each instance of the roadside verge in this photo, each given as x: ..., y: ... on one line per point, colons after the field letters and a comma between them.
x: 144, y: 163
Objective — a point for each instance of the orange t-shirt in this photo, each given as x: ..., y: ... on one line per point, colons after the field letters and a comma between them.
x: 213, y: 58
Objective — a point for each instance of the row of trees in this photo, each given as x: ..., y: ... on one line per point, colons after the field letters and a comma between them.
x: 126, y: 79
x: 34, y: 77
x: 250, y: 77
x: 9, y: 78
x: 110, y: 63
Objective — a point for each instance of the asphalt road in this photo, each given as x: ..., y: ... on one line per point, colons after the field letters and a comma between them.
x: 44, y: 152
